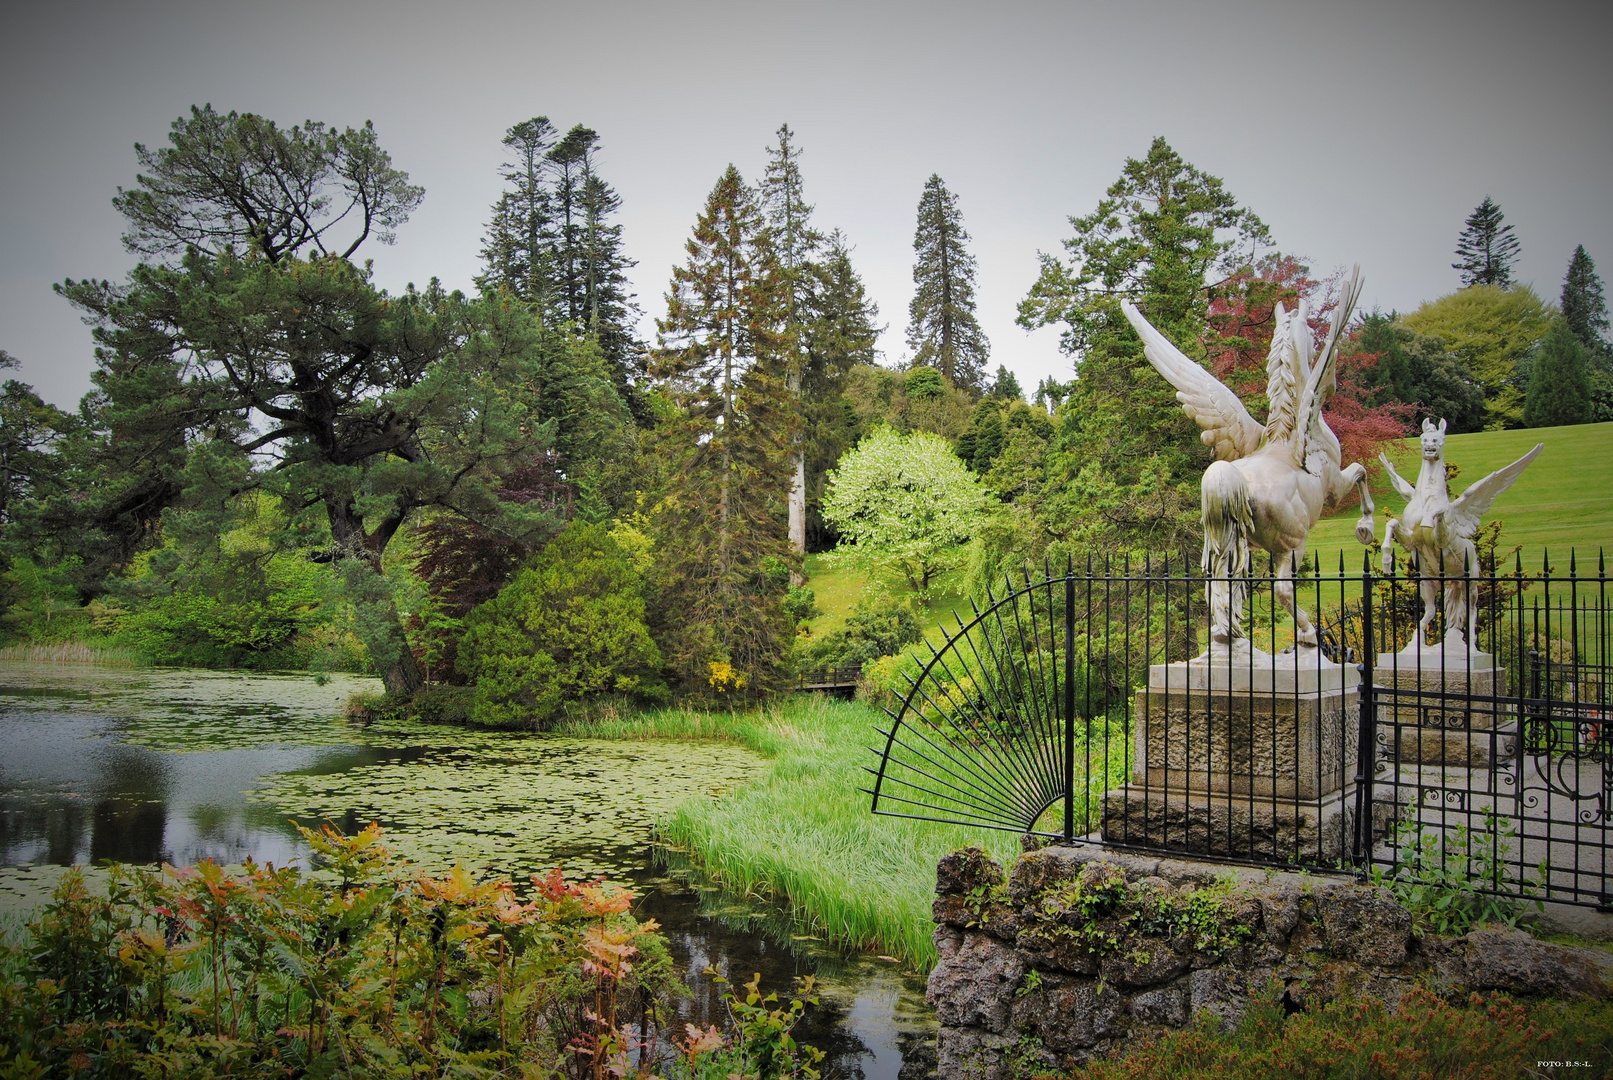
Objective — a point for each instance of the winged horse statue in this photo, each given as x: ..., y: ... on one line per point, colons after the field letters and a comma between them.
x: 1438, y: 531
x: 1269, y: 483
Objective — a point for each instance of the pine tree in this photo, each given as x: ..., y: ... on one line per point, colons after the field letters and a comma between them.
x: 728, y: 442
x: 794, y: 242
x: 1583, y: 306
x: 840, y: 331
x: 1006, y: 385
x: 942, y: 331
x: 1486, y: 250
x: 520, y: 238
x: 1559, y: 380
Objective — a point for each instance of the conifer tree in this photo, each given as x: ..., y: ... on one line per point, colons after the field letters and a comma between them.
x: 794, y: 243
x: 1559, y: 380
x: 520, y: 238
x: 840, y: 330
x: 552, y: 242
x: 942, y: 331
x: 728, y: 439
x: 1486, y: 250
x: 1005, y: 385
x: 1583, y: 305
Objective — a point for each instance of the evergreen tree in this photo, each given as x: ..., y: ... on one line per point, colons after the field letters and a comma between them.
x: 840, y: 330
x: 942, y: 331
x: 553, y: 244
x: 1486, y: 250
x: 1559, y: 380
x: 1583, y: 306
x: 1005, y: 385
x: 1128, y: 461
x: 520, y: 238
x: 794, y: 242
x: 728, y: 439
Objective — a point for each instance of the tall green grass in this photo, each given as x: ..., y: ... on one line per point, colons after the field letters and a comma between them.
x: 71, y: 652
x: 803, y: 835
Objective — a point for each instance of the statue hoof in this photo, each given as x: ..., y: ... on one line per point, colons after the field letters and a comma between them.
x: 1365, y: 531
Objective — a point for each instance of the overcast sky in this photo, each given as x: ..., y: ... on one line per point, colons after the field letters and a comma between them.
x: 1359, y: 133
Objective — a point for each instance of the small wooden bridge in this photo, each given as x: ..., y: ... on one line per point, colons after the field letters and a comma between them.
x: 840, y: 681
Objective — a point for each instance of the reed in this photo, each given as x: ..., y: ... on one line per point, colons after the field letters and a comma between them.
x: 71, y: 652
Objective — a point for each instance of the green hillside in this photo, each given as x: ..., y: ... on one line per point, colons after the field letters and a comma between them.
x: 1564, y: 499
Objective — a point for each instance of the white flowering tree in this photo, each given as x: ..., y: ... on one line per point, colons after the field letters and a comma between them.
x: 904, y: 503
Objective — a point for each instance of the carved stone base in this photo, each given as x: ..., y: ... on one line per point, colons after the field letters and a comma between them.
x: 1249, y: 827
x: 1441, y: 688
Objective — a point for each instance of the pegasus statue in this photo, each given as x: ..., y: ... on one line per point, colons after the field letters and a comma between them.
x: 1437, y: 531
x: 1269, y: 483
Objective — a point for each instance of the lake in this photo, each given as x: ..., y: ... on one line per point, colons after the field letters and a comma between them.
x: 151, y: 765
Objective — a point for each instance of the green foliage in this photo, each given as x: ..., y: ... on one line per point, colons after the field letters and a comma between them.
x: 1447, y: 878
x: 1486, y: 251
x: 801, y: 604
x: 1419, y: 370
x: 725, y: 443
x: 1123, y: 469
x: 1424, y: 1036
x: 1492, y: 331
x: 878, y: 627
x: 1559, y: 380
x: 1102, y: 914
x: 364, y: 967
x: 569, y: 627
x: 762, y: 1046
x: 1583, y: 306
x: 905, y: 502
x: 1005, y: 385
x: 942, y: 329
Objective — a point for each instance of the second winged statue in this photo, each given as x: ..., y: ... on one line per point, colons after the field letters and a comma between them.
x: 1269, y: 483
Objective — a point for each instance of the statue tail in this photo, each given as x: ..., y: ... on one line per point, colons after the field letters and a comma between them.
x: 1228, y: 528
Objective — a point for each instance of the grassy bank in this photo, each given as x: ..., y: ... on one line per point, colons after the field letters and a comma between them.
x: 71, y: 652
x: 803, y: 835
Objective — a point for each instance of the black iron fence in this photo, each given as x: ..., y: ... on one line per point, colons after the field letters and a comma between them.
x: 1344, y: 727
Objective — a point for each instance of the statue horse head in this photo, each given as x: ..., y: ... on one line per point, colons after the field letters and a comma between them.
x: 1433, y: 440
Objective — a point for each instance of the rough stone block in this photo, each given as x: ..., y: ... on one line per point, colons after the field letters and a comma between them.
x: 1071, y: 1016
x: 1219, y: 992
x: 1364, y: 924
x: 966, y: 870
x: 974, y: 986
x: 1166, y: 1007
x: 1513, y: 961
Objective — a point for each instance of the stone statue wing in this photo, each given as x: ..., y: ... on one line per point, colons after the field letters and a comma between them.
x: 1467, y: 511
x: 1321, y: 381
x: 1228, y: 428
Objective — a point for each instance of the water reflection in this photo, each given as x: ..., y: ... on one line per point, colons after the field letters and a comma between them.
x: 177, y: 766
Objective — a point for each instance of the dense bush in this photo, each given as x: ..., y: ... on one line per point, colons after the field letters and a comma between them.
x: 364, y: 968
x: 568, y: 627
x: 881, y: 627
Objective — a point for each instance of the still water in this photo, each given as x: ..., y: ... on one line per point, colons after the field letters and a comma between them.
x: 146, y: 766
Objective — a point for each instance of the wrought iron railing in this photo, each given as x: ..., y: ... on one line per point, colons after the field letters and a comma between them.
x: 1083, y: 706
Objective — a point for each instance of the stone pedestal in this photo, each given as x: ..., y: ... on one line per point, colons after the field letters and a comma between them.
x: 1248, y: 756
x: 1439, y: 707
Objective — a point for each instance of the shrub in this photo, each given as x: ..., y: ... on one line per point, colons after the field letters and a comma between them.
x: 1424, y: 1037
x: 569, y: 627
x: 876, y: 628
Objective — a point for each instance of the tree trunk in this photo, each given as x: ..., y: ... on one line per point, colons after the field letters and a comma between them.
x: 797, y: 489
x: 379, y: 625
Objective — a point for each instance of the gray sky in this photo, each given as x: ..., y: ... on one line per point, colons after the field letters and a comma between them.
x: 1358, y: 132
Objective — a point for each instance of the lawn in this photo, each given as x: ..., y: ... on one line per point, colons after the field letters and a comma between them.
x: 838, y: 588
x: 1563, y: 499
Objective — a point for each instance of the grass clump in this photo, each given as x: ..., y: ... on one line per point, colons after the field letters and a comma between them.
x: 803, y: 833
x: 1425, y: 1038
x: 71, y: 652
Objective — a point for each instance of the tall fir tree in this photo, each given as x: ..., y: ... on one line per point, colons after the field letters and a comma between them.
x: 1584, y: 307
x: 942, y: 330
x: 721, y: 520
x: 1486, y: 251
x: 840, y: 331
x: 794, y: 243
x: 1559, y: 380
x: 553, y: 243
x: 519, y: 245
x: 1125, y: 470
